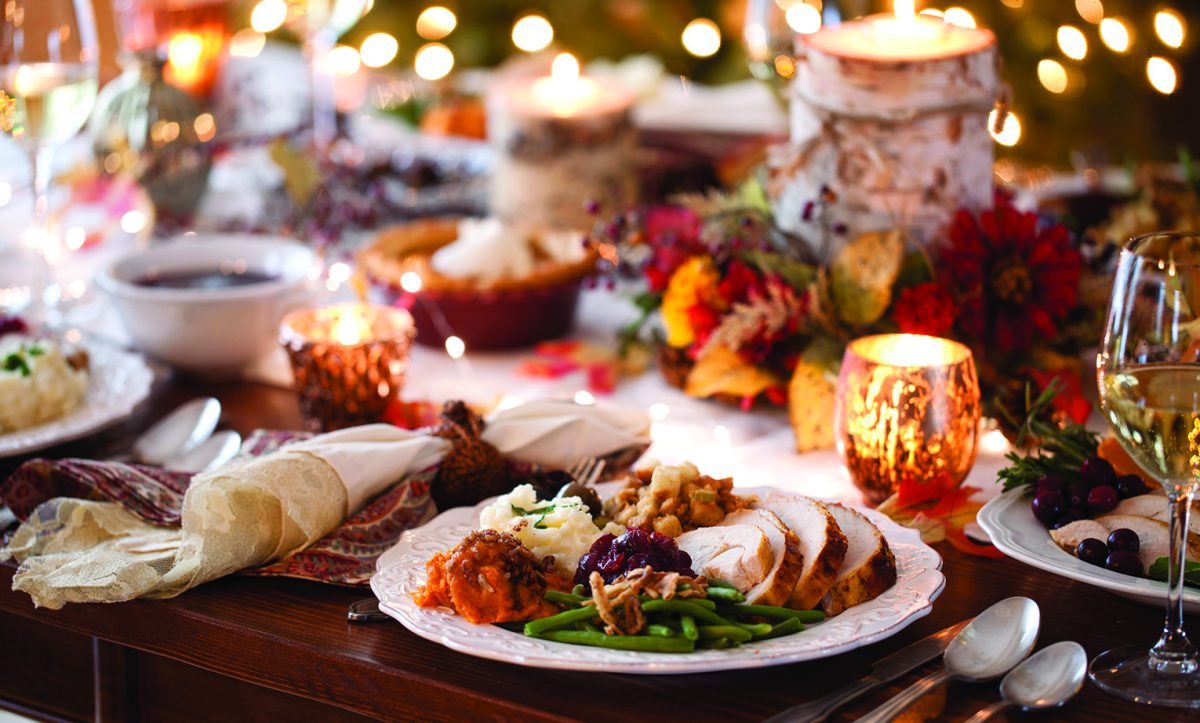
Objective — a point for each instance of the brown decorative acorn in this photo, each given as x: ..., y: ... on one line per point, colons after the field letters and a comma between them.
x: 473, y: 470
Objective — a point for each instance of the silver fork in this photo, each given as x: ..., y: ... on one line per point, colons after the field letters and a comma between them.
x: 587, y: 471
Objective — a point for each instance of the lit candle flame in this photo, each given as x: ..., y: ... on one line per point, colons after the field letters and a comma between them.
x: 905, y: 10
x: 349, y: 329
x: 565, y: 68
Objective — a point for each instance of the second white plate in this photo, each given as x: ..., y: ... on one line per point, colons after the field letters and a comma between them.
x: 1009, y: 522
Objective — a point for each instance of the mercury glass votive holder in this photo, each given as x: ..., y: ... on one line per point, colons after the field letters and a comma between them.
x: 907, y: 413
x: 349, y: 362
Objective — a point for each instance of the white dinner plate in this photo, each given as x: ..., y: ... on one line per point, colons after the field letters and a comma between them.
x: 1009, y: 522
x: 119, y: 380
x: 401, y: 572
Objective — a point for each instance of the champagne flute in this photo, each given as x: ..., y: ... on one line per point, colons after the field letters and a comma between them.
x: 321, y: 23
x: 48, y: 74
x: 1149, y: 375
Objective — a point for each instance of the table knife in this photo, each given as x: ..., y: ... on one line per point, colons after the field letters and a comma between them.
x: 883, y: 671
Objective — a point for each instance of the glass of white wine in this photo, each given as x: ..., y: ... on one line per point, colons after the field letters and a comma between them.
x: 320, y: 23
x: 48, y: 74
x: 1149, y: 375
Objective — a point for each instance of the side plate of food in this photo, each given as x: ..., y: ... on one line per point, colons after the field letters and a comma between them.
x: 757, y: 542
x: 56, y: 393
x: 1015, y: 531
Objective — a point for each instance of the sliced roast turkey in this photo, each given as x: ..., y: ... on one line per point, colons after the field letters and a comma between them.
x: 1154, y: 542
x: 822, y: 545
x: 869, y: 567
x: 731, y: 551
x: 738, y: 554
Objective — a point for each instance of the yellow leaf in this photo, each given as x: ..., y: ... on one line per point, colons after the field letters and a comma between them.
x: 862, y: 276
x: 301, y: 178
x: 721, y: 371
x: 810, y: 397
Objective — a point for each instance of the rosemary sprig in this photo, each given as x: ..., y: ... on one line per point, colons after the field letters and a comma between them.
x: 1056, y: 450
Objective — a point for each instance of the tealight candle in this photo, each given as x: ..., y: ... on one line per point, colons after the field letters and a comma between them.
x: 349, y: 361
x: 562, y: 141
x: 889, y: 113
x: 907, y: 413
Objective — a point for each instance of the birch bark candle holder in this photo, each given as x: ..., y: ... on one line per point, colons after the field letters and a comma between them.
x: 888, y: 130
x: 562, y: 142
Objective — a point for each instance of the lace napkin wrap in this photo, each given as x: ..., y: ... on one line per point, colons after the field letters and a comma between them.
x: 288, y: 508
x: 246, y: 514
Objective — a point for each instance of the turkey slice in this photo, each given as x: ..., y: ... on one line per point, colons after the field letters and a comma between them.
x: 869, y: 567
x: 787, y: 563
x: 738, y: 554
x: 822, y: 545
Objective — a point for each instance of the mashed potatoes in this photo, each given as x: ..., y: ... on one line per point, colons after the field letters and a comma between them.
x: 37, y: 383
x: 561, y: 527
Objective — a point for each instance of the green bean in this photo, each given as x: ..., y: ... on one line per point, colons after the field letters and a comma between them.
x: 578, y: 590
x: 757, y: 630
x: 725, y: 593
x: 714, y: 582
x: 668, y: 620
x: 688, y: 623
x: 771, y: 611
x: 646, y: 643
x: 563, y: 619
x: 661, y: 631
x: 587, y: 626
x: 702, y: 602
x: 718, y: 644
x: 733, y: 632
x: 698, y: 612
x: 787, y: 627
x: 565, y: 598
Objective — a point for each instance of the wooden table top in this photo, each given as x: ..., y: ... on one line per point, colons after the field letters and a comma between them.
x: 293, y: 636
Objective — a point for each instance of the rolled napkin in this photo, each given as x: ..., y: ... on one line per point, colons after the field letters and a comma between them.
x: 556, y: 434
x: 245, y: 514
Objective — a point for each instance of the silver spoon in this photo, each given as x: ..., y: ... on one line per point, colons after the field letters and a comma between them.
x: 178, y: 432
x: 1046, y: 679
x: 995, y: 641
x: 208, y: 455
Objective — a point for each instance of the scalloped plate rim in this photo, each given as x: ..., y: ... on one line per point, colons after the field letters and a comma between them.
x: 90, y: 417
x: 925, y: 582
x: 1010, y: 524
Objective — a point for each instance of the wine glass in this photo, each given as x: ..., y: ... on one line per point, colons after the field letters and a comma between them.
x: 48, y: 75
x: 1149, y: 375
x: 320, y: 23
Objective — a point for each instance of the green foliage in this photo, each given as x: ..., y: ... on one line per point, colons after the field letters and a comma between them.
x: 1054, y: 450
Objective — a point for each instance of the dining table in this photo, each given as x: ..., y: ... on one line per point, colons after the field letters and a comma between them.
x: 255, y: 648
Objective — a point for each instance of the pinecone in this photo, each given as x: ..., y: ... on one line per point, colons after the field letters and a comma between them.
x: 473, y: 470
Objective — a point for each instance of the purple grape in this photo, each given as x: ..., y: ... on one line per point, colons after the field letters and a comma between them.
x: 1076, y: 495
x: 1124, y: 561
x: 1102, y: 499
x: 1051, y: 483
x: 1097, y: 471
x: 1092, y: 551
x: 1072, y: 514
x: 1048, y: 507
x: 1131, y: 485
x: 1124, y: 539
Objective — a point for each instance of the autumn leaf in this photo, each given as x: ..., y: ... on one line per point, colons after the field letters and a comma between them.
x: 721, y: 371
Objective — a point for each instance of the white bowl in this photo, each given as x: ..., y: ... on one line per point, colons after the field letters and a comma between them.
x: 209, y: 331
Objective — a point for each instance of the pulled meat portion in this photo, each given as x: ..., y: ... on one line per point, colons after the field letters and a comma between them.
x: 618, y: 605
x: 490, y: 577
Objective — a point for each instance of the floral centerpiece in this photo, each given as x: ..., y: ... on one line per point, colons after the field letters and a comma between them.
x: 744, y: 312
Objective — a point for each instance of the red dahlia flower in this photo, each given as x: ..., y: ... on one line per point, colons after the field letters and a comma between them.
x: 925, y: 309
x: 1013, y: 278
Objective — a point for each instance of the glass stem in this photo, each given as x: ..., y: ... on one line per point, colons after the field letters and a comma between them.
x: 1173, y: 653
x: 41, y: 157
x: 319, y: 43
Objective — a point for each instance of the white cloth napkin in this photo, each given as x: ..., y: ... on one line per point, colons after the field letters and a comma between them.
x: 558, y: 433
x: 368, y: 458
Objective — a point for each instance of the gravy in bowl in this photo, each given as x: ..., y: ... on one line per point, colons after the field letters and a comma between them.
x: 214, y: 279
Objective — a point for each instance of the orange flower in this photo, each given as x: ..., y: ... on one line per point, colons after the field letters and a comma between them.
x: 694, y: 282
